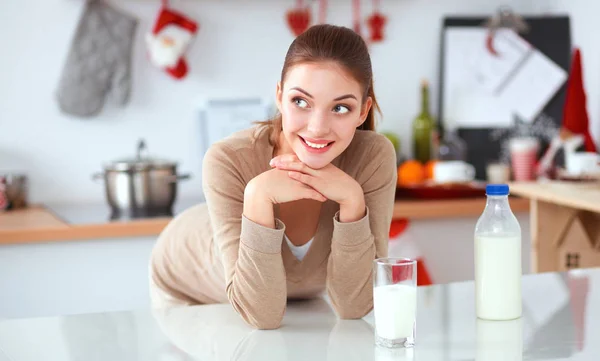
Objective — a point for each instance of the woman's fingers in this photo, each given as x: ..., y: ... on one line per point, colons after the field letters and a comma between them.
x: 307, y: 179
x: 284, y: 158
x: 297, y: 167
x: 313, y: 194
x: 306, y: 182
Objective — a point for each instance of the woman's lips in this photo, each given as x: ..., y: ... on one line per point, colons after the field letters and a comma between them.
x: 316, y: 145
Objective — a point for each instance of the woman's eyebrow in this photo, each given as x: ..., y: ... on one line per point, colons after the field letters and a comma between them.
x: 346, y: 97
x: 302, y: 91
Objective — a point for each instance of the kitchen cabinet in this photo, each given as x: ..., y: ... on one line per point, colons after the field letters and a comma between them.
x: 68, y: 277
x: 44, y: 275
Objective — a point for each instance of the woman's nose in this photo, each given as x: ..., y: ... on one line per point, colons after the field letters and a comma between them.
x: 318, y: 124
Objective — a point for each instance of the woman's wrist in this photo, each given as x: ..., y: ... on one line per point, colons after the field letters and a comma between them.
x: 257, y: 205
x: 353, y: 209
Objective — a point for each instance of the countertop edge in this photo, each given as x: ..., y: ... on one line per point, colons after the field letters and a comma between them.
x: 136, y: 228
x: 560, y: 193
x: 151, y: 227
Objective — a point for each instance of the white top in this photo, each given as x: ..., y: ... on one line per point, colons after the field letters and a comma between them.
x: 298, y: 251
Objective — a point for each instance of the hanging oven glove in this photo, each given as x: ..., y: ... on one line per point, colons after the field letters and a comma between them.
x: 98, y: 61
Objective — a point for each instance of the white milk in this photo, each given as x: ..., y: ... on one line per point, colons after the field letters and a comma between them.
x: 395, y: 308
x: 498, y: 277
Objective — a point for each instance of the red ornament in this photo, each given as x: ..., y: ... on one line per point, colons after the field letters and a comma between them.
x: 299, y: 19
x: 376, y: 23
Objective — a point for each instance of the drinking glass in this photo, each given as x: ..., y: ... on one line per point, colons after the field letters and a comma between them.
x: 395, y: 301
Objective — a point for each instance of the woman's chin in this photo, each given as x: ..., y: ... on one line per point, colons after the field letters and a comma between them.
x: 314, y: 161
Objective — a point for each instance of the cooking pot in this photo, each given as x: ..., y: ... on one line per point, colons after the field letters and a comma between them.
x: 141, y: 186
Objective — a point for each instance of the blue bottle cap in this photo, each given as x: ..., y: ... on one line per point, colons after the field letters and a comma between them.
x: 496, y: 189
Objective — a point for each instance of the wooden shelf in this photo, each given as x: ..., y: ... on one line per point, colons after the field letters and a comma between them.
x: 451, y: 208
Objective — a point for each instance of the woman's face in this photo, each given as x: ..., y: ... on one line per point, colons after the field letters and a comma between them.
x: 321, y: 107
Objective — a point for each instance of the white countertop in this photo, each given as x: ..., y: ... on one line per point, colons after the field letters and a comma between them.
x: 561, y: 321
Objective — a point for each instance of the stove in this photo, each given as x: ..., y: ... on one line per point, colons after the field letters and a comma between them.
x: 116, y: 215
x: 97, y: 213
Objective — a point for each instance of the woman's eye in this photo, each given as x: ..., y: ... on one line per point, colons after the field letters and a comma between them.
x: 342, y: 109
x: 300, y: 102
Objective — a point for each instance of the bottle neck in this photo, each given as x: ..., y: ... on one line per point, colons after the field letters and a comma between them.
x: 498, y: 203
x: 424, y: 100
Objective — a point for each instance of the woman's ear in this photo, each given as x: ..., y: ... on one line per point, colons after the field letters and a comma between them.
x: 365, y: 110
x: 279, y: 95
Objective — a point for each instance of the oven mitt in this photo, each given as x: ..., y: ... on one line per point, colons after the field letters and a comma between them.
x: 98, y: 62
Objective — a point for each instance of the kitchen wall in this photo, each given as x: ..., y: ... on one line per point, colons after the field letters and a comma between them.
x: 230, y: 58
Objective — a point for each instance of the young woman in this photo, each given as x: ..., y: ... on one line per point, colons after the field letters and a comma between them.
x: 295, y: 206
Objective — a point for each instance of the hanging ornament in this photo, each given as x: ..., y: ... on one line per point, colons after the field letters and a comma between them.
x: 322, y: 11
x: 299, y: 18
x: 170, y: 39
x: 376, y: 21
x: 356, y: 16
x: 504, y: 18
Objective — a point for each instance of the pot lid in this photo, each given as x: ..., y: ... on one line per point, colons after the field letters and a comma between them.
x: 140, y: 161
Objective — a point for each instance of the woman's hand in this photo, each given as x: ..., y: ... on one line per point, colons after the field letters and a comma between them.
x: 271, y: 187
x: 329, y: 181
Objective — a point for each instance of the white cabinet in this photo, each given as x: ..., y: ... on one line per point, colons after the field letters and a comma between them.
x: 44, y: 279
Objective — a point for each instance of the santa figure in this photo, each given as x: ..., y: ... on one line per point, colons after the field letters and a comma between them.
x: 170, y: 38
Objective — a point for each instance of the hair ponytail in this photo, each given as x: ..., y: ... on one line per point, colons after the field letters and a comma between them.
x: 370, y: 122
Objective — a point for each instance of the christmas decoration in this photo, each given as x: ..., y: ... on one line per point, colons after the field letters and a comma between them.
x: 575, y: 116
x: 98, y: 61
x: 299, y: 18
x: 504, y: 18
x: 322, y: 11
x: 356, y: 19
x: 376, y: 21
x: 169, y: 40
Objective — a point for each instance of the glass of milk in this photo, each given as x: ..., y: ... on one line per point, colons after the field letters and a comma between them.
x: 395, y: 301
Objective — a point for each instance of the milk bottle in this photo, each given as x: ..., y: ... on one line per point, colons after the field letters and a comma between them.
x: 498, y: 258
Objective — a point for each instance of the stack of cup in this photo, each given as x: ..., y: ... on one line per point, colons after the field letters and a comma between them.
x: 523, y: 154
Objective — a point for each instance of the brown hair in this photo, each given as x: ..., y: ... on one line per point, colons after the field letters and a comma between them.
x: 325, y: 42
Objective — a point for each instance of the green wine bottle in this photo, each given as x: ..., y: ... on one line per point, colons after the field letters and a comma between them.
x: 423, y: 127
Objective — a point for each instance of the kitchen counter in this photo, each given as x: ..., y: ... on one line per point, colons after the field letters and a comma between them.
x: 63, y: 222
x: 565, y: 223
x: 584, y: 195
x: 560, y: 314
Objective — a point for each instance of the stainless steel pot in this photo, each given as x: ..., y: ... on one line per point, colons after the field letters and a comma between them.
x: 141, y: 186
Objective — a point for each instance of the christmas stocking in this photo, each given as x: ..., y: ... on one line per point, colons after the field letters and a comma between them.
x: 169, y: 40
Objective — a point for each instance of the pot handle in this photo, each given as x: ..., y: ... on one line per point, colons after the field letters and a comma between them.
x: 179, y: 177
x: 97, y: 176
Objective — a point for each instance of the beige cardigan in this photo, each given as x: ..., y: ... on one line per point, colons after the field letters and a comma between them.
x: 211, y: 253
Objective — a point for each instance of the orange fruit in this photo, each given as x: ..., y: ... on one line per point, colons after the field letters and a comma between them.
x: 429, y: 169
x: 411, y: 172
